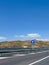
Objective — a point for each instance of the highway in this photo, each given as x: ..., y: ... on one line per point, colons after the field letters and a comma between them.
x: 38, y: 58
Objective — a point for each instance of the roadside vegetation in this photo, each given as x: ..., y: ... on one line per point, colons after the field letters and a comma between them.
x: 23, y: 44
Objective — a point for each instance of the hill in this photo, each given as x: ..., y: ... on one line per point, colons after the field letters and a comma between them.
x: 23, y: 44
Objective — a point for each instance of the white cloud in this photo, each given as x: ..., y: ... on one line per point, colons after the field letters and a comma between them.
x: 3, y: 38
x: 43, y: 39
x: 16, y: 36
x: 20, y: 36
x: 34, y: 35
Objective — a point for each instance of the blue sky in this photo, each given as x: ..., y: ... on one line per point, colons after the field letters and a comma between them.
x: 20, y: 18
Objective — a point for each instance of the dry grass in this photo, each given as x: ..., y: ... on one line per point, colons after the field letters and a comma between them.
x: 21, y: 44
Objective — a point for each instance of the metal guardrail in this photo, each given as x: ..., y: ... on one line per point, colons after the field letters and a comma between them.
x: 11, y: 51
x: 7, y: 50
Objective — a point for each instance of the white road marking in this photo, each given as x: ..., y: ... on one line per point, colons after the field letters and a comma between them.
x: 4, y: 57
x: 23, y: 54
x: 39, y: 60
x: 29, y: 53
x: 39, y: 52
x: 19, y: 55
x: 12, y: 56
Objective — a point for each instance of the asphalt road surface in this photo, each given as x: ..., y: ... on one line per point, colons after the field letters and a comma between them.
x: 38, y: 58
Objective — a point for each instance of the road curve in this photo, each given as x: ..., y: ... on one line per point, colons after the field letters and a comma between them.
x: 29, y: 59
